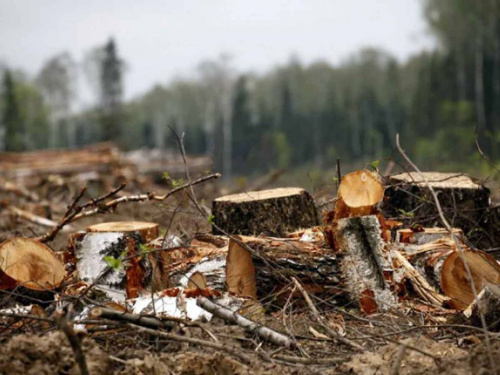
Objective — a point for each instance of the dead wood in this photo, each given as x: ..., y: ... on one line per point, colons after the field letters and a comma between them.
x: 139, y: 320
x: 272, y: 212
x: 488, y: 304
x: 249, y: 325
x: 240, y: 272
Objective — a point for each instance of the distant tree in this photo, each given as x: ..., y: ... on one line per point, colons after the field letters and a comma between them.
x: 111, y: 90
x: 57, y: 82
x: 11, y: 118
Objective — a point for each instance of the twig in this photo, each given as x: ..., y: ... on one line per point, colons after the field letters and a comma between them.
x: 249, y: 325
x: 309, y: 361
x: 138, y: 320
x: 74, y: 341
x: 203, y: 343
x: 321, y: 320
x: 143, y: 197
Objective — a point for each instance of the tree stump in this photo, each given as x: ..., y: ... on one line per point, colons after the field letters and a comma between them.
x: 109, y: 255
x: 464, y: 201
x: 30, y: 266
x: 272, y: 212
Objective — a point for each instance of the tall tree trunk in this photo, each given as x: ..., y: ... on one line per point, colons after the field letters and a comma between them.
x: 479, y: 82
x: 461, y: 75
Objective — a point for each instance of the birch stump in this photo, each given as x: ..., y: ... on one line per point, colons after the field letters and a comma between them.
x: 109, y: 254
x: 274, y: 212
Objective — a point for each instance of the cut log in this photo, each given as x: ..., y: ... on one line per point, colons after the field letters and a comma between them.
x: 109, y: 255
x: 364, y: 266
x: 359, y: 194
x: 272, y: 212
x: 455, y: 282
x: 440, y: 262
x: 464, y: 201
x: 29, y: 264
x: 488, y: 305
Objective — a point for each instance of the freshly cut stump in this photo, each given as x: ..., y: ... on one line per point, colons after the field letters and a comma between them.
x: 274, y: 212
x: 364, y: 266
x: 100, y: 257
x: 358, y: 195
x: 30, y: 264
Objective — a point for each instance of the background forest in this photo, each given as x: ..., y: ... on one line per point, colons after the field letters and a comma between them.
x: 293, y: 115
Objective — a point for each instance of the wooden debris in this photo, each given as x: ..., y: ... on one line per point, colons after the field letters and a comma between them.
x: 364, y: 264
x: 424, y: 235
x: 265, y: 333
x: 359, y: 194
x: 30, y: 264
x: 272, y: 212
x: 487, y: 304
x: 454, y: 281
x: 240, y: 272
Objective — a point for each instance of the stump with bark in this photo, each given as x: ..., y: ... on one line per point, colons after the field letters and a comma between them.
x: 465, y: 202
x: 30, y: 267
x: 110, y: 256
x: 272, y: 212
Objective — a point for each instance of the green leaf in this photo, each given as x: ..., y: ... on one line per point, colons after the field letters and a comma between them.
x: 407, y: 214
x: 144, y: 248
x: 374, y: 164
x: 114, y: 263
x: 210, y: 219
x: 166, y: 176
x: 177, y: 183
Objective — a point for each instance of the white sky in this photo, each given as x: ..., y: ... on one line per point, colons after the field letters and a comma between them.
x: 161, y: 39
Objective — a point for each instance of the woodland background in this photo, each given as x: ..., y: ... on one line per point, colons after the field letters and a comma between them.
x: 295, y: 115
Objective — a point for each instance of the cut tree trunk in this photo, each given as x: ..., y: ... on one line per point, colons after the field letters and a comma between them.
x: 464, y: 202
x: 95, y: 254
x: 240, y: 272
x: 272, y: 212
x: 276, y: 261
x: 442, y: 265
x: 30, y: 266
x: 359, y: 194
x: 364, y: 266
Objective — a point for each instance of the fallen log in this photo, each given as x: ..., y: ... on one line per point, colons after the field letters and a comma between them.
x: 277, y: 261
x: 110, y: 256
x: 364, y: 265
x: 272, y: 212
x: 441, y: 263
x: 31, y: 266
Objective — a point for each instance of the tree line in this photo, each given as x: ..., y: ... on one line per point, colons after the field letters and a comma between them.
x: 439, y: 101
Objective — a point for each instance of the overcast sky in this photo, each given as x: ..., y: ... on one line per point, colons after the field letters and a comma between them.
x: 161, y: 39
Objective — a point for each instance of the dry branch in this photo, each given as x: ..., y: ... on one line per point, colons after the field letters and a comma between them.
x: 249, y: 325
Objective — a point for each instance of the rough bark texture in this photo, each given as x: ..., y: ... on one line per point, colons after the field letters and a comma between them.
x: 314, y: 266
x: 272, y: 212
x: 464, y: 201
x: 118, y: 240
x: 364, y: 265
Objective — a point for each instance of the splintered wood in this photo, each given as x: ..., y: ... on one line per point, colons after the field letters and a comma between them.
x: 272, y: 212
